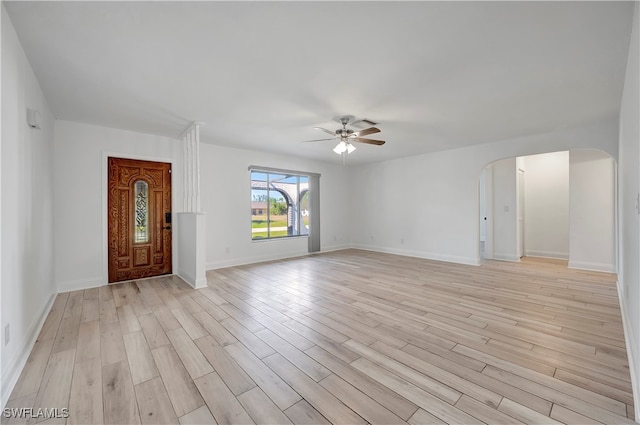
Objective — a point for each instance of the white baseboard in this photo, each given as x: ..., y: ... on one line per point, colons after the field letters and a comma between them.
x: 632, y: 352
x: 505, y: 257
x: 421, y: 254
x: 232, y: 262
x: 192, y: 281
x: 338, y: 247
x: 597, y: 267
x: 76, y: 285
x: 547, y: 254
x: 12, y: 371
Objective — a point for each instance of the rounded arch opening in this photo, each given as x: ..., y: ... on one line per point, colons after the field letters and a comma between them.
x: 559, y: 205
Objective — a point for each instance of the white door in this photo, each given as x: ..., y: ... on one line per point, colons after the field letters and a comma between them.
x: 483, y: 210
x: 488, y: 212
x: 520, y: 212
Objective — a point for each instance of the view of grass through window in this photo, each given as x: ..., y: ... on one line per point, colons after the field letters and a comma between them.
x: 279, y: 205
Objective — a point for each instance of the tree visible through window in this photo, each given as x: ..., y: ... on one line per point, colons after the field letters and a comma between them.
x: 279, y: 205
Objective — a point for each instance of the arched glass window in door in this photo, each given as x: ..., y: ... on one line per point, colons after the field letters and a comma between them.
x: 141, y: 215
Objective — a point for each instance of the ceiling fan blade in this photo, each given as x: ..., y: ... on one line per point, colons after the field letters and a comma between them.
x: 365, y: 132
x: 318, y: 140
x: 333, y: 133
x: 368, y: 141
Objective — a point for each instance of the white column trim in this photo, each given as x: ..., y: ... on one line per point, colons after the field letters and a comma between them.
x: 191, y: 160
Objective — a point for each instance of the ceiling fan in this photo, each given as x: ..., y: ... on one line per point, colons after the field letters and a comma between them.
x: 346, y: 135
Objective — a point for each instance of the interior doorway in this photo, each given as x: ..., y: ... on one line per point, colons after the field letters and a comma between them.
x: 520, y: 211
x: 139, y: 219
x: 558, y: 205
x: 484, y: 191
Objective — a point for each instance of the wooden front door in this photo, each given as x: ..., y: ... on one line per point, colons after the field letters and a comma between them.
x: 139, y: 227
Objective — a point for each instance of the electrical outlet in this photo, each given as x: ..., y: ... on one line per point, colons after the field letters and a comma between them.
x: 227, y: 250
x: 402, y: 241
x: 506, y: 208
x: 7, y: 335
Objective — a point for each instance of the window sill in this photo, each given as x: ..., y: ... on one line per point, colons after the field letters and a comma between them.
x: 280, y: 238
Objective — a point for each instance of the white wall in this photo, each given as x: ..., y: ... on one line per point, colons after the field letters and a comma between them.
x: 80, y: 195
x: 628, y: 193
x: 80, y: 200
x: 592, y: 211
x: 26, y: 219
x: 226, y: 198
x: 431, y: 201
x: 2, y: 389
x: 192, y: 243
x: 408, y: 206
x: 547, y: 205
x: 504, y: 210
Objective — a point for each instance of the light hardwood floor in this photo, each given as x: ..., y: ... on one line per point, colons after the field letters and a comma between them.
x: 344, y: 337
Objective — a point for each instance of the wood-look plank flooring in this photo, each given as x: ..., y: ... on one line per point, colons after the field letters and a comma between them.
x: 344, y: 337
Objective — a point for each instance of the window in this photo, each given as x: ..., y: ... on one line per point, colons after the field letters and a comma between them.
x: 279, y: 204
x: 141, y: 215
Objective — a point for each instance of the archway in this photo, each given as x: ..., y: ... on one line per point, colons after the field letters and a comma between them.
x: 568, y: 208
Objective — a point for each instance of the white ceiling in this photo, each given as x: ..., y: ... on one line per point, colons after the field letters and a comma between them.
x: 435, y: 75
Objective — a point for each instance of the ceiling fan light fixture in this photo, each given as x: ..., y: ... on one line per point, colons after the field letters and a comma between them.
x: 340, y: 148
x: 344, y: 147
